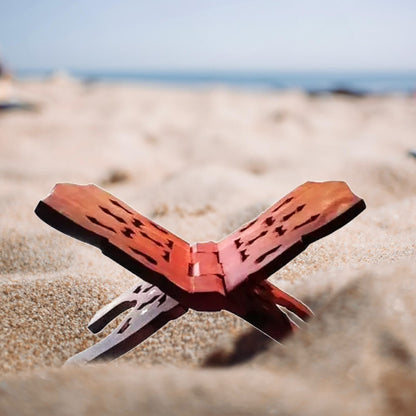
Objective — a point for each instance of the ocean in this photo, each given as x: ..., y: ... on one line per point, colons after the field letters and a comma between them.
x: 368, y: 82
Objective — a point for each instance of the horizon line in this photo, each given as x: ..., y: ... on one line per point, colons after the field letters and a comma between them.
x: 211, y: 70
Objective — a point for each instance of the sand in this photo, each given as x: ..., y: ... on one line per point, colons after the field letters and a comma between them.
x: 201, y: 163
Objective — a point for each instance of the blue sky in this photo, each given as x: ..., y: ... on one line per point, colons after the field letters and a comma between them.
x: 209, y: 34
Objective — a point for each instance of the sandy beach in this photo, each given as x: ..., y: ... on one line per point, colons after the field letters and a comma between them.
x: 201, y: 163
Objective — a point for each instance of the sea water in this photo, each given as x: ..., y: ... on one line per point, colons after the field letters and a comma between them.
x: 375, y: 82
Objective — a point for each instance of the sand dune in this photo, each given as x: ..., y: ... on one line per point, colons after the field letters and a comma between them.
x: 202, y: 163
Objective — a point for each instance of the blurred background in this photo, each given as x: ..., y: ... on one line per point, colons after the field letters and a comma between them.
x: 363, y: 46
x: 122, y: 88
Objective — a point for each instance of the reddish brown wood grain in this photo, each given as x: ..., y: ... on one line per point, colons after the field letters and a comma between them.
x: 253, y: 252
x: 100, y: 218
x: 207, y: 276
x: 267, y: 243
